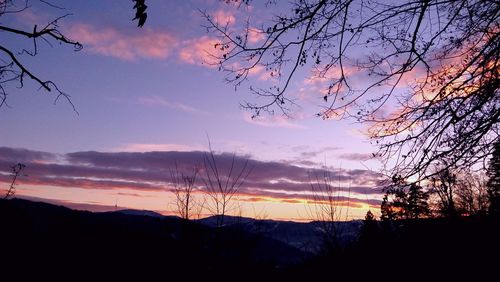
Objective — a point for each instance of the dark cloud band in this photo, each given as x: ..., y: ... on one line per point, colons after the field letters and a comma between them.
x: 150, y: 171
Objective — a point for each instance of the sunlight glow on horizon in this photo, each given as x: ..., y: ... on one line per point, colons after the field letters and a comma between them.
x: 163, y: 202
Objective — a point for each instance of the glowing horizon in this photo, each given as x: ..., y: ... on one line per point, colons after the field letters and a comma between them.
x: 101, y: 181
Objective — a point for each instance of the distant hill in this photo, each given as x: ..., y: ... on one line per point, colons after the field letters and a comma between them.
x: 305, y: 236
x: 140, y: 212
x: 45, y: 237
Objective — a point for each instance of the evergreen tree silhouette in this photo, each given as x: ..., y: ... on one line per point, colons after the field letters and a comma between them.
x: 408, y: 202
x: 417, y: 205
x: 369, y: 217
x: 370, y: 234
x: 386, y: 209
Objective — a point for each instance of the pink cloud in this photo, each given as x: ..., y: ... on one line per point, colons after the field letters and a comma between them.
x: 255, y: 35
x: 204, y: 51
x: 29, y: 18
x: 320, y: 78
x: 258, y: 71
x: 316, y: 85
x: 109, y: 41
x: 200, y: 51
x: 223, y: 17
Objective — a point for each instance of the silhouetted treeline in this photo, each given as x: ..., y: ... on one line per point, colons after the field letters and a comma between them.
x: 448, y: 194
x: 56, y: 242
x: 429, y: 249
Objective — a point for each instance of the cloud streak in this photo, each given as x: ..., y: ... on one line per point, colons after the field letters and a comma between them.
x: 157, y: 101
x: 272, y: 121
x: 150, y: 171
x: 148, y: 147
x: 356, y: 156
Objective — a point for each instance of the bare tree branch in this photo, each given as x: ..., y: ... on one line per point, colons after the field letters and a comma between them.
x: 13, y: 70
x: 430, y: 70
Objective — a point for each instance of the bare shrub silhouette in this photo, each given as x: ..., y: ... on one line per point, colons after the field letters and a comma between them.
x: 184, y: 189
x: 329, y: 205
x: 222, y: 180
x: 15, y: 173
x: 472, y: 194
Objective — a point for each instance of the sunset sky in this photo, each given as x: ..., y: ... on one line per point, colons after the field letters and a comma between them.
x: 147, y: 100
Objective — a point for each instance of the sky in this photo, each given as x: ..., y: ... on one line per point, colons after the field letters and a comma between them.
x: 146, y: 100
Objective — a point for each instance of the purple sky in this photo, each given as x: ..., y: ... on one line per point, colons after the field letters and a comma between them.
x: 141, y: 90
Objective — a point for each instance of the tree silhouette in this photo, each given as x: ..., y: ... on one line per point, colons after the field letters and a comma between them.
x: 494, y: 180
x: 458, y: 193
x: 444, y: 185
x: 222, y: 183
x: 472, y: 193
x: 328, y: 207
x: 417, y: 205
x: 370, y: 235
x: 16, y: 172
x: 187, y: 205
x: 386, y: 210
x: 404, y: 201
x: 369, y: 217
x: 430, y: 70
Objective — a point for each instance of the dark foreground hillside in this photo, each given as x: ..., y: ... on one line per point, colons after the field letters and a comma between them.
x: 462, y: 249
x: 48, y: 241
x: 300, y: 235
x: 51, y: 240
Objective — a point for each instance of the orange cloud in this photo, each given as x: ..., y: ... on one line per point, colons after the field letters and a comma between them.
x: 351, y: 203
x: 293, y: 201
x: 109, y: 41
x: 254, y: 199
